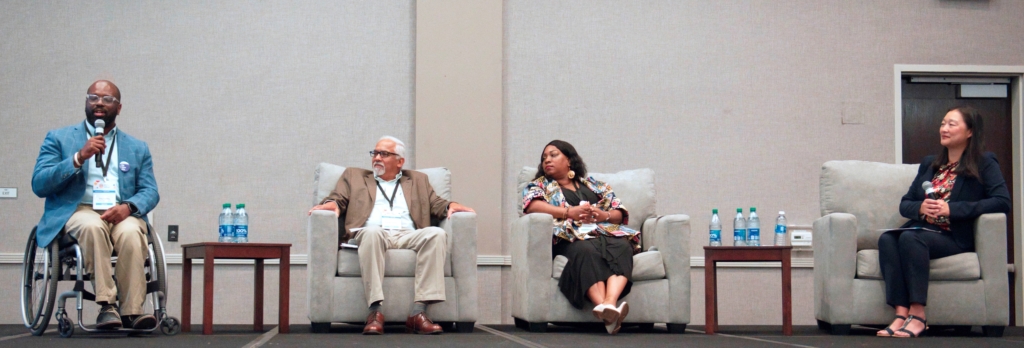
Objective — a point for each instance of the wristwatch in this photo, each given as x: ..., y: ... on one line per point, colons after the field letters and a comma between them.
x: 131, y: 207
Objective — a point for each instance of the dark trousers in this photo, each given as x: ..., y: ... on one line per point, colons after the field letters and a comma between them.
x: 904, y: 257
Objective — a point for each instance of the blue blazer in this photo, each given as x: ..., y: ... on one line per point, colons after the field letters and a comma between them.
x: 969, y: 199
x: 56, y: 178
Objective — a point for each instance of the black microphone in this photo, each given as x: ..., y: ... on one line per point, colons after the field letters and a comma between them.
x: 929, y: 190
x: 99, y: 131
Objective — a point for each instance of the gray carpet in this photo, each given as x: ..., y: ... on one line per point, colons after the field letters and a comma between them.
x: 509, y: 336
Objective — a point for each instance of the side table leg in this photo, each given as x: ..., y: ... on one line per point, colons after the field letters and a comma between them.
x: 257, y: 320
x: 710, y: 297
x: 186, y: 295
x: 282, y: 306
x: 787, y: 295
x: 208, y: 292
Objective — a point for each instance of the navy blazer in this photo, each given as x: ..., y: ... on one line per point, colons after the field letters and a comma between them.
x: 969, y: 199
x: 56, y: 178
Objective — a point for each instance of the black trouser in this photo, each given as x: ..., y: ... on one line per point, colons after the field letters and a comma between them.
x: 904, y: 257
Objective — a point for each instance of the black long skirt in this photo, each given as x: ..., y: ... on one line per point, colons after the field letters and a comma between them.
x: 592, y: 261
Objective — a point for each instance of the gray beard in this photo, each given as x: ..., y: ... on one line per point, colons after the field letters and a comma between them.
x: 378, y: 171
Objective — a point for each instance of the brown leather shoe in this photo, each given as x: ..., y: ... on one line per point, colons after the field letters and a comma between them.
x: 420, y: 324
x: 374, y: 324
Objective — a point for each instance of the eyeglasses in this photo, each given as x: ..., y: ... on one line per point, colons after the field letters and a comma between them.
x: 383, y: 154
x: 92, y: 98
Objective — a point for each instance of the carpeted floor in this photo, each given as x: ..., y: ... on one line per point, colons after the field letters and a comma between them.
x: 510, y: 336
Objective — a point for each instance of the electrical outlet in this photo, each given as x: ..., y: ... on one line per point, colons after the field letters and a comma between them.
x: 172, y: 233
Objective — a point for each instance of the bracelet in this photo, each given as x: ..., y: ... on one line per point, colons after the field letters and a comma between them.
x: 566, y: 215
x: 77, y: 162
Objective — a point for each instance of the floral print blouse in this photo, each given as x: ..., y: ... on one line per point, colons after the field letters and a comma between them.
x: 569, y: 229
x: 943, y: 182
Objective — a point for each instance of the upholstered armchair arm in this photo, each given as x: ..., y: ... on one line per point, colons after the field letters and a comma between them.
x: 531, y: 266
x: 990, y: 244
x: 672, y: 239
x: 461, y: 228
x: 322, y: 244
x: 835, y: 266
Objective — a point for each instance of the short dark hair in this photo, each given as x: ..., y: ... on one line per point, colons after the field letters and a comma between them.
x: 575, y: 161
x: 975, y: 144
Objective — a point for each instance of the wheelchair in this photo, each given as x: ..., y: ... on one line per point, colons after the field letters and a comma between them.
x: 44, y: 267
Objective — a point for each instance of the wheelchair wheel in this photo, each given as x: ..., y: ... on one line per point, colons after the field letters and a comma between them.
x: 65, y: 326
x: 39, y: 284
x: 170, y: 326
x: 160, y: 264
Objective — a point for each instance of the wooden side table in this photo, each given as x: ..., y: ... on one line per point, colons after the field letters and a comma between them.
x: 713, y: 255
x: 210, y: 251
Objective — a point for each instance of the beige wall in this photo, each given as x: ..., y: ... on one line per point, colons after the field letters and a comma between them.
x: 732, y: 103
x: 458, y: 104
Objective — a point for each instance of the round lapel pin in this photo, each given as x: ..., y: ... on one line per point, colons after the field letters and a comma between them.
x: 124, y: 166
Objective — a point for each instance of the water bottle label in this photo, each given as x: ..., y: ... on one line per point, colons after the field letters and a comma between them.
x: 780, y: 228
x: 739, y: 234
x: 755, y: 234
x: 716, y: 235
x: 227, y: 231
x: 241, y: 231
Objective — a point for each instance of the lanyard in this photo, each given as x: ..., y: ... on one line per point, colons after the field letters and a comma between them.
x: 104, y: 165
x: 391, y: 201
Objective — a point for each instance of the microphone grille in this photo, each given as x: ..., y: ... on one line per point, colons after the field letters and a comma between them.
x: 927, y: 185
x: 100, y: 125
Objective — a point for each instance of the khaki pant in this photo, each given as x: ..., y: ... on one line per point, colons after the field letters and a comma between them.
x: 430, y: 244
x: 98, y: 240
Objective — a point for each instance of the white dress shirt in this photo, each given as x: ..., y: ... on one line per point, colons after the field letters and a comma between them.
x: 381, y: 205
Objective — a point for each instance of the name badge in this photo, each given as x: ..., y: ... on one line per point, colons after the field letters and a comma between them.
x: 104, y: 194
x: 391, y: 220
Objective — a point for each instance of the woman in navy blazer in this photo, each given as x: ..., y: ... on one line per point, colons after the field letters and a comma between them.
x: 967, y: 183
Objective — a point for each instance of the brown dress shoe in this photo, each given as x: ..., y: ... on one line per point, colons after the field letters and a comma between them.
x: 420, y: 324
x: 374, y: 324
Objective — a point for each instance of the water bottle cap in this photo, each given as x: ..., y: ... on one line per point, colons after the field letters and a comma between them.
x: 782, y: 212
x: 239, y: 205
x: 739, y: 210
x: 227, y: 205
x: 753, y: 209
x: 714, y: 211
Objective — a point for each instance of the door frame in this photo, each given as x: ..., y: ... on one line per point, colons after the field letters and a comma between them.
x: 1016, y: 95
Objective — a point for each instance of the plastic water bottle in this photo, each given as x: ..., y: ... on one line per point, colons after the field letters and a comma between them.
x: 715, y: 229
x: 780, y: 229
x: 241, y: 224
x: 739, y: 229
x: 753, y: 228
x: 227, y: 228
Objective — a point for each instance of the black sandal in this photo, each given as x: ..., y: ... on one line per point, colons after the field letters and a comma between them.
x: 905, y: 323
x: 889, y: 330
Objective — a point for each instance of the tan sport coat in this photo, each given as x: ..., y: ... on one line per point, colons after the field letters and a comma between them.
x: 357, y: 191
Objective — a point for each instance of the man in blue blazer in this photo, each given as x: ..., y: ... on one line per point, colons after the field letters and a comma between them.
x: 99, y: 188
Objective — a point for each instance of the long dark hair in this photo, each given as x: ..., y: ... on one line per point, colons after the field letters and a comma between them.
x: 975, y: 144
x: 575, y: 161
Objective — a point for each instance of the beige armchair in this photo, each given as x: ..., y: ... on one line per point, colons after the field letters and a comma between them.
x: 860, y: 198
x: 661, y: 274
x: 334, y: 285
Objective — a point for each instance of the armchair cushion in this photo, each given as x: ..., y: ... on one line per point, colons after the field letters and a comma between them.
x: 397, y: 263
x: 964, y: 266
x: 870, y: 191
x: 646, y: 266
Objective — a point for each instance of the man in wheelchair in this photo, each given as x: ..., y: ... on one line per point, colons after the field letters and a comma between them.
x: 99, y: 186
